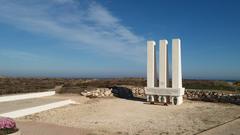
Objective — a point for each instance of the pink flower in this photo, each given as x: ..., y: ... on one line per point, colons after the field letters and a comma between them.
x: 7, y: 123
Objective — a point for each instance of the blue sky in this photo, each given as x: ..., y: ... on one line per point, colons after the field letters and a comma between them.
x: 107, y: 38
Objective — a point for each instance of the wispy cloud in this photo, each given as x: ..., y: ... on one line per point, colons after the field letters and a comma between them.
x: 81, y: 22
x: 19, y: 55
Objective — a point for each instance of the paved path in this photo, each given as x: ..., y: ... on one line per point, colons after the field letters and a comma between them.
x: 35, y: 128
x: 27, y: 103
x: 230, y: 128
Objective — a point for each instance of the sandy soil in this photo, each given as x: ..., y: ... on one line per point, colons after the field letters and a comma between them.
x: 122, y: 116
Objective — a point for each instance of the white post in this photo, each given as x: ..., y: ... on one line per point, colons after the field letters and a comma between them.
x: 177, y: 67
x: 151, y: 64
x: 163, y: 62
x: 151, y: 68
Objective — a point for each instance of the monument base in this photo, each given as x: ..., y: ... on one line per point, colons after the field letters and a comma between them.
x: 165, y: 95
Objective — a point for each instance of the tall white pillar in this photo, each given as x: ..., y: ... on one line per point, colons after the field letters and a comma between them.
x: 177, y: 67
x: 163, y: 64
x: 176, y: 64
x: 151, y: 64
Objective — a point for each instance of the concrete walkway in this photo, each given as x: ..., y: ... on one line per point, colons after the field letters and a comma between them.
x: 27, y: 103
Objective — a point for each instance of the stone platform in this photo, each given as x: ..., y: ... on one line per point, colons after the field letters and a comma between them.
x: 20, y: 108
x: 27, y: 103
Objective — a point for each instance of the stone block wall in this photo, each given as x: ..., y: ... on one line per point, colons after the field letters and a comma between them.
x: 212, y: 96
x: 190, y: 94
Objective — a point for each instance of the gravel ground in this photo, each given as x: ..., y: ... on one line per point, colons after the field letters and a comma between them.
x: 122, y: 116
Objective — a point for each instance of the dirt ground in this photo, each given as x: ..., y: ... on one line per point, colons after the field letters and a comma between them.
x: 122, y: 116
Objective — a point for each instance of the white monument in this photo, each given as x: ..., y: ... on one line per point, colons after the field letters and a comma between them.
x: 163, y: 93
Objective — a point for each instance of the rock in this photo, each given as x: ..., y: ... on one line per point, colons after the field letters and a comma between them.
x: 212, y: 96
x: 122, y: 92
x: 107, y: 93
x: 95, y: 94
x: 98, y: 90
x: 91, y: 96
x: 85, y: 93
x: 141, y: 91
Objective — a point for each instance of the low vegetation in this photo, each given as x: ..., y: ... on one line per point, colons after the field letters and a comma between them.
x: 237, y: 83
x: 25, y: 85
x: 74, y: 85
x: 209, y: 85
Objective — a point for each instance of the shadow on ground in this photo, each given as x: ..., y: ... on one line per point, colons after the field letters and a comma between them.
x: 125, y: 93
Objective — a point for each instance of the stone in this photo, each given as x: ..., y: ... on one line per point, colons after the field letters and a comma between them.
x: 98, y: 90
x: 83, y: 93
x: 107, y: 93
x: 141, y: 91
x: 122, y: 92
x: 95, y: 94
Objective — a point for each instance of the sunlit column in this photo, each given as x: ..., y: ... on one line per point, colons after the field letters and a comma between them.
x: 163, y: 62
x: 177, y: 67
x: 151, y: 64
